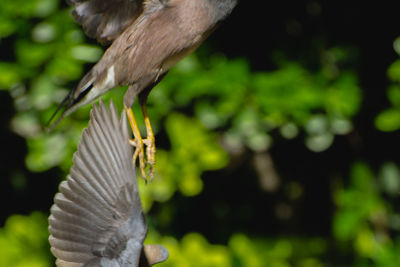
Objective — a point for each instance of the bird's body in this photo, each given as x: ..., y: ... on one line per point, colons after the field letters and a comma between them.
x: 161, y: 36
x: 135, y: 59
x: 148, y: 38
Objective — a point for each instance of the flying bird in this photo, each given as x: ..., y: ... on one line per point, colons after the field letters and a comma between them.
x: 146, y: 38
x: 97, y: 217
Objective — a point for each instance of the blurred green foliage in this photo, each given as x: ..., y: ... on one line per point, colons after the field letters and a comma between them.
x: 23, y: 241
x: 389, y: 119
x: 194, y: 250
x: 210, y: 108
x: 365, y: 218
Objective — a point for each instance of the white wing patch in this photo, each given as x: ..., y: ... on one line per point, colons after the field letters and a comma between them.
x: 81, y: 8
x: 110, y: 79
x: 102, y: 87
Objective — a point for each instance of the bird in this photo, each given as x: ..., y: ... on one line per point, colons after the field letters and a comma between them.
x: 146, y: 38
x: 97, y: 217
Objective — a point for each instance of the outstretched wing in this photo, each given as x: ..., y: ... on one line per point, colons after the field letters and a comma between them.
x: 97, y: 216
x: 105, y: 20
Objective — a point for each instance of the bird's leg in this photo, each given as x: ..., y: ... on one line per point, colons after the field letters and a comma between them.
x: 129, y: 98
x: 137, y: 141
x: 149, y: 141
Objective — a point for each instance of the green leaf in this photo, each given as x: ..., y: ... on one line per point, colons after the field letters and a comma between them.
x: 390, y: 178
x: 10, y: 75
x: 87, y: 53
x: 7, y: 26
x: 344, y: 96
x: 32, y: 54
x: 394, y: 71
x: 394, y: 95
x: 388, y: 120
x: 23, y: 241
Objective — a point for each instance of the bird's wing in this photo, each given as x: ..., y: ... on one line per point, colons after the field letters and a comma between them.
x: 97, y: 216
x: 105, y: 20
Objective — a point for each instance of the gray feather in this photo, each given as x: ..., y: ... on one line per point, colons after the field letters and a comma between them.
x: 96, y: 219
x: 106, y: 20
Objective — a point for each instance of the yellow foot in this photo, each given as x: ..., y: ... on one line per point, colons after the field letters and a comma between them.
x: 150, y: 154
x: 139, y: 152
x: 137, y: 142
x: 149, y: 141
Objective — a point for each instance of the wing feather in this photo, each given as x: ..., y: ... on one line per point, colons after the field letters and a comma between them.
x: 106, y: 19
x: 98, y: 148
x: 97, y: 209
x: 75, y: 196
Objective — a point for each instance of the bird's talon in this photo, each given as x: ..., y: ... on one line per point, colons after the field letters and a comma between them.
x: 139, y: 153
x: 151, y: 173
x: 139, y: 143
x: 133, y: 142
x: 142, y: 165
x: 147, y: 142
x: 150, y: 151
x: 135, y: 155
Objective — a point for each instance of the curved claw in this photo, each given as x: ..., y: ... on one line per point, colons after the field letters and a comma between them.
x: 139, y: 152
x: 149, y: 141
x: 150, y: 154
x: 138, y: 142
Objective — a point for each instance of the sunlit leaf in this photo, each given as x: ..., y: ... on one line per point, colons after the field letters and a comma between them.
x: 317, y: 124
x: 388, y: 120
x: 23, y: 241
x: 394, y: 71
x: 365, y: 243
x: 7, y: 27
x: 319, y: 142
x: 341, y: 126
x: 289, y: 130
x: 344, y: 95
x: 10, y: 75
x: 43, y: 32
x: 86, y: 53
x: 32, y: 54
x: 394, y: 95
x: 396, y: 45
x: 390, y: 178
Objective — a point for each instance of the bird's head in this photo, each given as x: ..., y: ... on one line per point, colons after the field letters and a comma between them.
x: 70, y: 103
x: 87, y: 91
